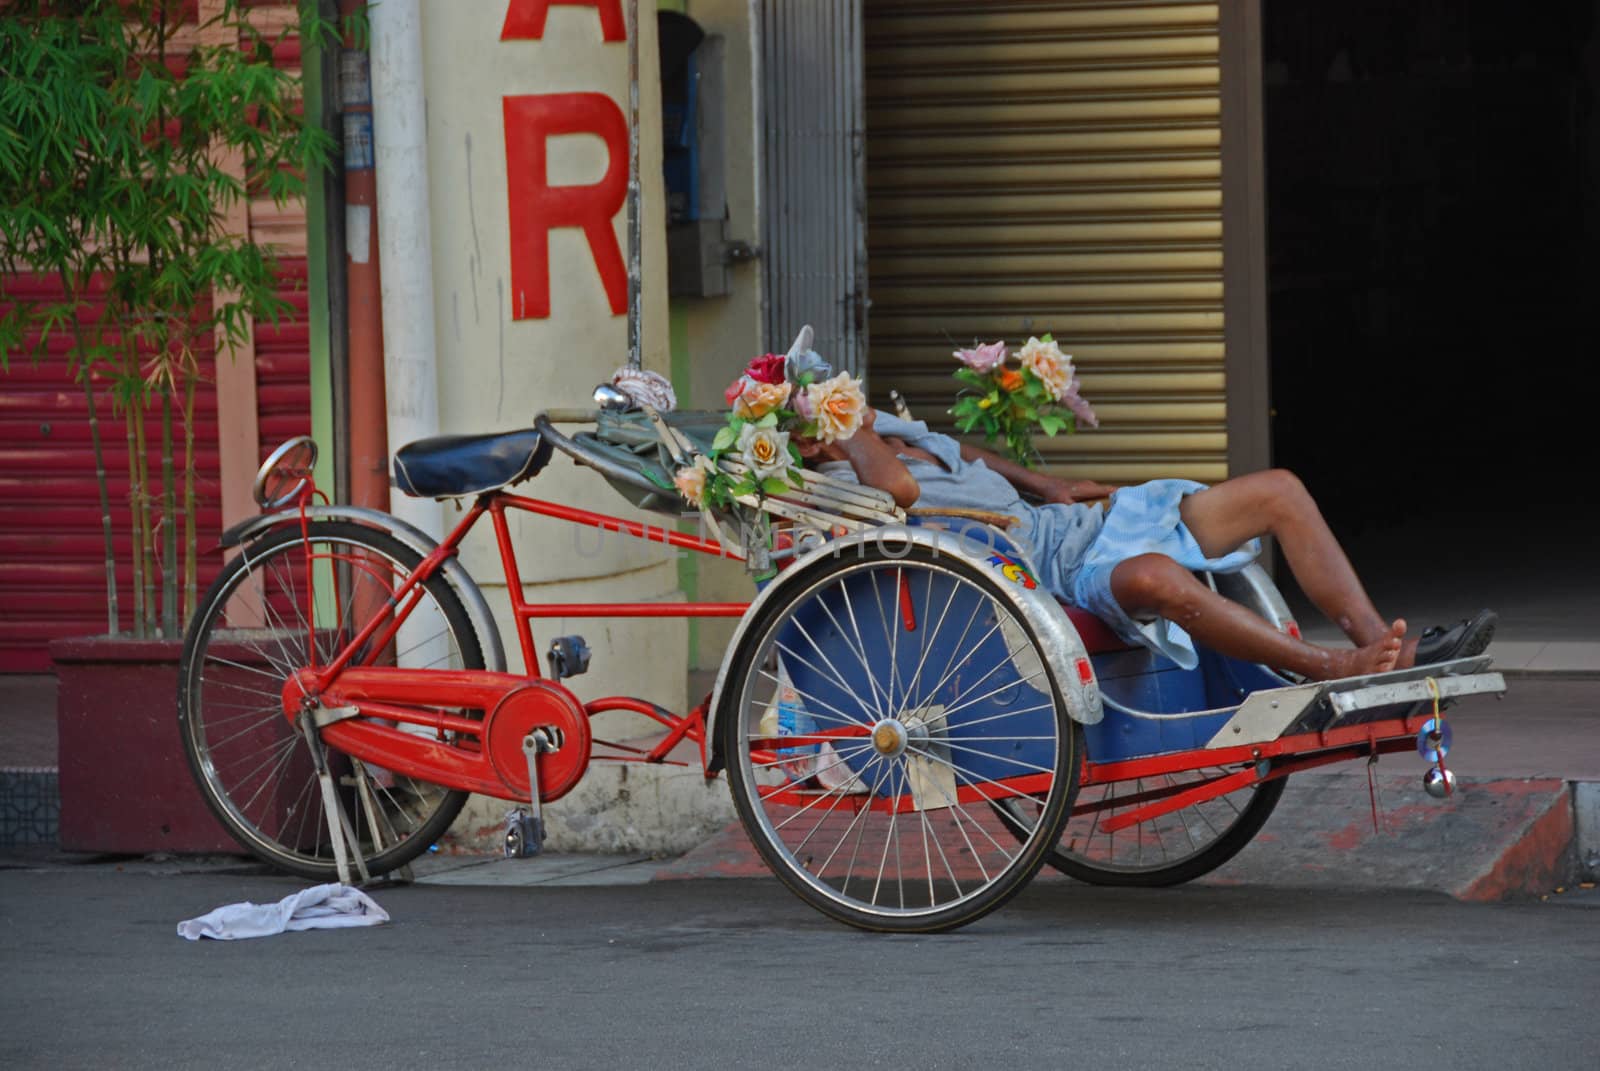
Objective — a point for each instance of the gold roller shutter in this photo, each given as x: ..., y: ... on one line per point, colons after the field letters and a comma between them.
x: 1040, y: 166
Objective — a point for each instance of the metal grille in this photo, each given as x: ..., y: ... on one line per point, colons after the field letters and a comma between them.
x: 1053, y: 166
x: 813, y: 237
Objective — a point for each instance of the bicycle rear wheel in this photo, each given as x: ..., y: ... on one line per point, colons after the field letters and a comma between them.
x: 285, y: 602
x: 1168, y: 849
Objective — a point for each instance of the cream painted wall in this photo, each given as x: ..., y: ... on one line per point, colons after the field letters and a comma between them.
x: 496, y: 373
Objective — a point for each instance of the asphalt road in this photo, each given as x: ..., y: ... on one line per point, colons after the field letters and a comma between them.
x: 741, y: 974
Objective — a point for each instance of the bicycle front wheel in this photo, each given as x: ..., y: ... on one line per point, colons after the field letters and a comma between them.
x: 869, y: 720
x: 287, y: 602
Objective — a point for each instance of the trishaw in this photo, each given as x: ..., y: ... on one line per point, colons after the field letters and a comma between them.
x: 911, y: 726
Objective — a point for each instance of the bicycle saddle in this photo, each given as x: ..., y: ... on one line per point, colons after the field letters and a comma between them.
x: 448, y: 466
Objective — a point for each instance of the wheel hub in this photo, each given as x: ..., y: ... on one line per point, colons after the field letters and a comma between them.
x: 889, y: 737
x: 299, y: 695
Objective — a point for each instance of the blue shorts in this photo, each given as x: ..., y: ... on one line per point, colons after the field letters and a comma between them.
x: 1145, y: 520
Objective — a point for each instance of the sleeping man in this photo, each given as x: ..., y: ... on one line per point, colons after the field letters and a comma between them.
x: 1133, y: 565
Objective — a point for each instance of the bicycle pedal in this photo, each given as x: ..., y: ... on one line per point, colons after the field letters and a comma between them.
x: 524, y: 834
x: 569, y: 657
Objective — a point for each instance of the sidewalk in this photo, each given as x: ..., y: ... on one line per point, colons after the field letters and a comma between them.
x: 1526, y: 817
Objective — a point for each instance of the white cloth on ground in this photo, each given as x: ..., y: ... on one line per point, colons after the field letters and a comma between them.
x: 321, y: 907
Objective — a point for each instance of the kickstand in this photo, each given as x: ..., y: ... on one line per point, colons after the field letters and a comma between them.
x: 383, y: 834
x: 343, y: 837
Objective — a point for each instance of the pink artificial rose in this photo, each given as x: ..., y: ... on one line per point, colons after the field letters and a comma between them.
x: 983, y: 358
x: 736, y: 388
x: 767, y: 369
x: 691, y: 484
x: 1080, y: 408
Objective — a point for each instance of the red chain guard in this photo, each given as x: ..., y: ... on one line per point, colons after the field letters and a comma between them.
x: 482, y: 756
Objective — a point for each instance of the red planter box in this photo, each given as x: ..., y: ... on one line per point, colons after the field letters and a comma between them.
x: 125, y: 785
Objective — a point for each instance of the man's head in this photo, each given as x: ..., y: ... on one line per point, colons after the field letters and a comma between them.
x: 815, y: 452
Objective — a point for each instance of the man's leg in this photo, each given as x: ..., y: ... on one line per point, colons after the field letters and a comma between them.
x: 1276, y: 503
x: 1155, y: 584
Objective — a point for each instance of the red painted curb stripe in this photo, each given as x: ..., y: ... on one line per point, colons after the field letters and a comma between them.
x: 1535, y: 863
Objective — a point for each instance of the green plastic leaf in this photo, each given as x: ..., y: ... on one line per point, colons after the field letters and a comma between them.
x: 774, y: 485
x: 725, y: 438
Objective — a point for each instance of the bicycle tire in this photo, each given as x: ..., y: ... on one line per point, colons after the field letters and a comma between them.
x: 249, y: 667
x: 1090, y: 855
x: 949, y: 886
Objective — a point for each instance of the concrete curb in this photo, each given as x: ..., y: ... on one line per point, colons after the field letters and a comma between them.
x: 1498, y: 839
x: 1586, y: 820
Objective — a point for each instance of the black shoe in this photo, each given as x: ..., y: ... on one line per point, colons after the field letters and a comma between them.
x: 1462, y: 640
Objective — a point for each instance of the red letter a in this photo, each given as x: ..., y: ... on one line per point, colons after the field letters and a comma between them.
x: 536, y: 206
x: 525, y: 19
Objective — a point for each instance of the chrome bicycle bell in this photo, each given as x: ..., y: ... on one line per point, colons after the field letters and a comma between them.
x: 610, y: 398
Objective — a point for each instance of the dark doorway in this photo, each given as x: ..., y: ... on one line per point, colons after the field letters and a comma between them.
x: 1433, y: 175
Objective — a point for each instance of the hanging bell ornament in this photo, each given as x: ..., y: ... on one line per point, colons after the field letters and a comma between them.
x: 1433, y: 739
x: 1438, y: 783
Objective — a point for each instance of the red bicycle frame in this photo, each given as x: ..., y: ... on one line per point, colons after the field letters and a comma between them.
x: 460, y: 754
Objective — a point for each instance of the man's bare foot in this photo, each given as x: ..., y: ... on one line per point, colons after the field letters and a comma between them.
x: 1379, y: 656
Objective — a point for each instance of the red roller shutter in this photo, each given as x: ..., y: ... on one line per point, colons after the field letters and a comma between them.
x: 283, y: 352
x: 52, y: 572
x: 283, y: 362
x: 52, y: 563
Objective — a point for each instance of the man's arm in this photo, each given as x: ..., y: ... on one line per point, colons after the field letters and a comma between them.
x: 877, y: 464
x: 1049, y: 488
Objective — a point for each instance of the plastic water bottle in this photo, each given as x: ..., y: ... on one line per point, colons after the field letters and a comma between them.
x: 799, y: 762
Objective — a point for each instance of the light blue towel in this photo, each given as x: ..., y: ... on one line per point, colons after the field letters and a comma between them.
x: 1145, y: 520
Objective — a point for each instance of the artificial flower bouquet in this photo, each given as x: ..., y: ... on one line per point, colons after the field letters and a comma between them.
x: 1040, y: 394
x: 777, y: 397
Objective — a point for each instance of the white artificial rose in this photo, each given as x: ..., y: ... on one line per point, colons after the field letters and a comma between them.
x: 765, y: 450
x: 1046, y: 361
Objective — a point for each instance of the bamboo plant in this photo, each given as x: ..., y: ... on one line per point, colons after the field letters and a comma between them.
x: 126, y: 136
